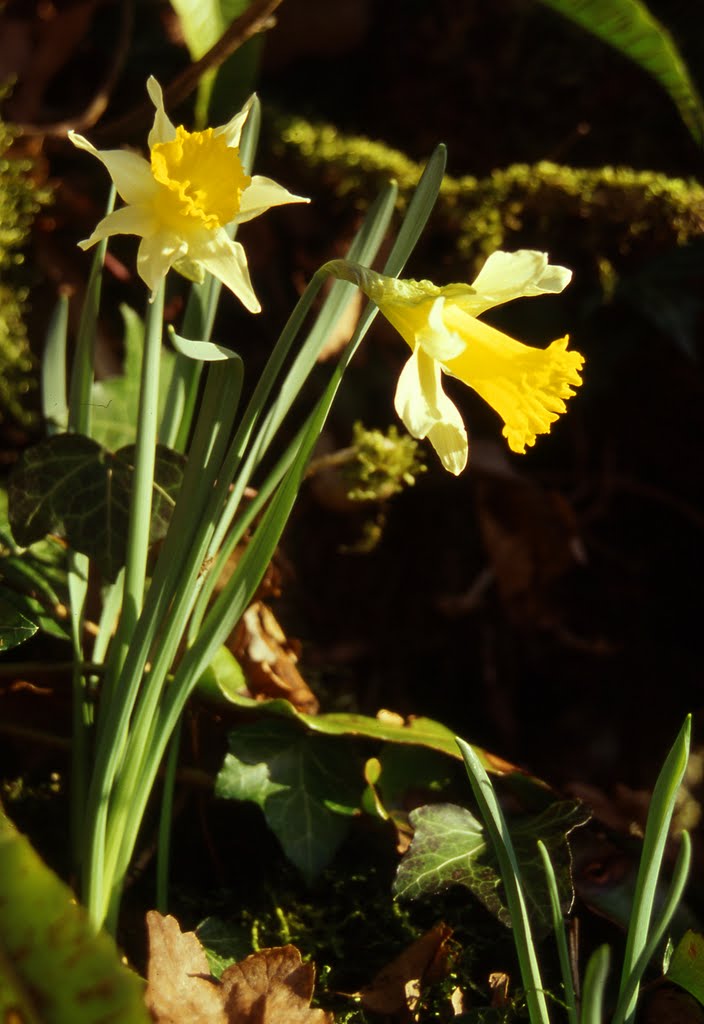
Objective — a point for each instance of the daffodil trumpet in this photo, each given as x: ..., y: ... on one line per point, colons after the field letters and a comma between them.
x: 181, y: 201
x: 526, y: 386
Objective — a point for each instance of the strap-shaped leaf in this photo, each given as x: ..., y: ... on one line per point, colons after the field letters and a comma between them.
x: 69, y: 486
x: 629, y: 26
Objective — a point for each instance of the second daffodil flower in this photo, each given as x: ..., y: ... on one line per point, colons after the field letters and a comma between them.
x: 181, y: 200
x: 526, y: 386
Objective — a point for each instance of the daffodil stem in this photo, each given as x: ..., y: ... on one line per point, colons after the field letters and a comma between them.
x: 142, y: 480
x: 111, y: 744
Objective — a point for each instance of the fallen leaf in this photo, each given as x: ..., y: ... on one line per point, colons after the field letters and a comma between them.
x: 179, y: 985
x: 397, y: 987
x: 272, y: 986
x: 268, y: 659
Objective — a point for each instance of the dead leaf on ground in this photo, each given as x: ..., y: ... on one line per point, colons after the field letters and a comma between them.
x: 179, y: 985
x: 271, y: 987
x: 268, y: 659
x: 396, y: 989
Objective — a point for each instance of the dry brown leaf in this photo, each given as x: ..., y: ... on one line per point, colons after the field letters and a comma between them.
x: 180, y: 989
x: 397, y: 987
x: 268, y: 659
x: 272, y: 986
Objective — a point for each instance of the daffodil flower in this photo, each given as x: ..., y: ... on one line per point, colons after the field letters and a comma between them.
x: 181, y: 200
x: 526, y: 386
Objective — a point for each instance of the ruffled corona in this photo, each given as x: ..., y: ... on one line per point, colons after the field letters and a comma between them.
x: 181, y: 200
x: 526, y: 386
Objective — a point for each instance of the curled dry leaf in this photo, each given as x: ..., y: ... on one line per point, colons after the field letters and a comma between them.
x: 272, y: 986
x: 268, y: 659
x: 397, y: 987
x: 179, y: 986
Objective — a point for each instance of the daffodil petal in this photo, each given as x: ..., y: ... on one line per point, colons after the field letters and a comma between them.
x: 233, y: 129
x: 426, y: 411
x: 128, y: 220
x: 432, y: 334
x: 513, y: 275
x: 129, y: 171
x: 526, y: 386
x: 261, y: 195
x: 156, y: 255
x: 227, y: 261
x: 162, y: 129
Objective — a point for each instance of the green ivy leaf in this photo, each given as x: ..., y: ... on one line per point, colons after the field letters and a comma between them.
x: 15, y: 628
x: 68, y: 485
x: 53, y: 968
x: 449, y: 848
x: 629, y: 26
x: 686, y: 967
x: 115, y: 400
x: 306, y: 790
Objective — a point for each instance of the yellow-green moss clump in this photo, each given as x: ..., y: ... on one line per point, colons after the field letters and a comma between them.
x: 605, y: 211
x: 20, y: 198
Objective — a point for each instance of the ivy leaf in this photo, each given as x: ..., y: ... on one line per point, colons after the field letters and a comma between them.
x: 70, y: 486
x: 449, y: 847
x: 629, y: 26
x: 15, y: 628
x: 305, y: 789
x: 115, y: 400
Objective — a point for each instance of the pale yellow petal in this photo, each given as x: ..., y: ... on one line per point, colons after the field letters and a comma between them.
x: 227, y: 261
x: 426, y: 411
x: 130, y: 172
x: 156, y: 255
x: 233, y: 129
x: 512, y: 275
x: 128, y: 220
x: 162, y: 129
x: 261, y: 195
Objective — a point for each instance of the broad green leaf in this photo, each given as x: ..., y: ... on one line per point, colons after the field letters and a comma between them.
x: 223, y: 675
x: 449, y: 847
x: 306, y: 790
x: 686, y: 967
x: 53, y: 968
x: 68, y: 485
x: 224, y: 942
x: 15, y: 628
x: 203, y: 22
x: 629, y: 27
x: 115, y: 400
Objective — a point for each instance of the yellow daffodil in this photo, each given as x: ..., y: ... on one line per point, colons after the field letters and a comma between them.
x: 525, y: 385
x: 181, y: 200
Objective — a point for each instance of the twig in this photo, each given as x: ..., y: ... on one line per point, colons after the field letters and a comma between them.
x: 257, y: 18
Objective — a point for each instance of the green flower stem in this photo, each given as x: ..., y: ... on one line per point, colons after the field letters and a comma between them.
x: 495, y: 824
x: 163, y: 852
x: 558, y: 925
x: 677, y: 887
x: 135, y: 570
x: 225, y: 614
x: 79, y: 421
x: 594, y: 985
x: 179, y: 564
x: 657, y: 826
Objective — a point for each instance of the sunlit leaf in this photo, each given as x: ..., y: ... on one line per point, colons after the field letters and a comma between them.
x: 686, y: 966
x: 115, y: 400
x: 306, y: 790
x: 15, y: 628
x: 629, y: 26
x: 53, y: 968
x: 450, y: 848
x: 69, y: 486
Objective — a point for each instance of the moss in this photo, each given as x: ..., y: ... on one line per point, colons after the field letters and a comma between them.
x: 20, y: 199
x: 603, y: 210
